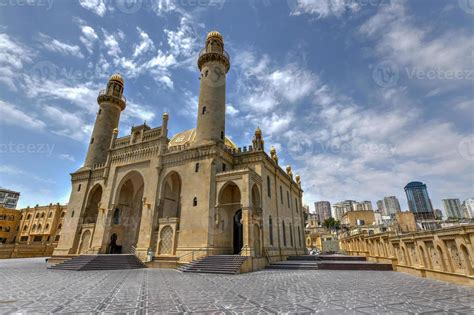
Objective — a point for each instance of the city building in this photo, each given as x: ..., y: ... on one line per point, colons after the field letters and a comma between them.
x: 438, y: 214
x: 380, y: 207
x: 404, y: 222
x: 323, y: 240
x: 452, y: 208
x: 361, y: 206
x: 418, y: 201
x: 41, y: 224
x: 339, y: 210
x: 8, y: 198
x: 323, y: 210
x: 9, y: 219
x: 391, y: 205
x: 468, y: 208
x: 357, y: 218
x: 151, y: 194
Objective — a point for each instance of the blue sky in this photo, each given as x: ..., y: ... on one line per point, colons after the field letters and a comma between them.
x: 359, y: 96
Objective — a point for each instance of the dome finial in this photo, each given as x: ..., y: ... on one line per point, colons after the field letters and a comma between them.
x: 116, y: 77
x: 216, y: 35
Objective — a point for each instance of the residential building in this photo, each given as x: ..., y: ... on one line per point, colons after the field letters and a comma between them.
x: 323, y: 210
x: 468, y: 208
x: 9, y: 219
x: 357, y: 218
x: 380, y: 207
x: 452, y: 208
x: 9, y: 198
x: 391, y: 205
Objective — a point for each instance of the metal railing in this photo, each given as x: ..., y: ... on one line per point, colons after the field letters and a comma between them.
x: 204, y: 51
x: 104, y: 92
x: 194, y: 254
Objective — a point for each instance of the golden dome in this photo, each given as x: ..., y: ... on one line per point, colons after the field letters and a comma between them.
x: 288, y: 168
x: 116, y: 77
x: 165, y: 115
x: 273, y: 150
x: 258, y: 132
x: 215, y: 34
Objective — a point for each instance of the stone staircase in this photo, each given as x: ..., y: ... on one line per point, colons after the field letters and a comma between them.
x: 221, y: 264
x: 329, y: 262
x: 100, y: 262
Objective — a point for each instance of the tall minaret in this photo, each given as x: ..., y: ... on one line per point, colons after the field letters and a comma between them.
x: 111, y: 103
x: 214, y: 63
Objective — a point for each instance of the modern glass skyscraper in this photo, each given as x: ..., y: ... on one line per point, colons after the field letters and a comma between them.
x: 418, y: 200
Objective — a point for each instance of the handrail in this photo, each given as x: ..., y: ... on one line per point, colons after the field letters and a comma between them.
x: 224, y: 53
x: 267, y: 256
x: 192, y: 253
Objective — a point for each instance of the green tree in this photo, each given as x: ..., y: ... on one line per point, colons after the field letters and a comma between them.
x: 332, y: 224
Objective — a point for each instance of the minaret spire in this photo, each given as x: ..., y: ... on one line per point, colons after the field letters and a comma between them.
x: 214, y: 63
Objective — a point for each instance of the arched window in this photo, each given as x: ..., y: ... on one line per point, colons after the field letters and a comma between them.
x: 62, y: 214
x: 195, y: 202
x: 60, y: 226
x: 116, y: 219
x: 28, y: 216
x: 46, y: 227
x: 21, y: 218
x: 37, y: 215
x: 270, y: 229
x: 34, y: 227
x: 25, y: 227
x: 79, y: 187
x: 50, y: 214
x: 224, y: 167
x: 39, y: 227
x: 284, y: 232
x: 72, y: 214
x: 42, y: 214
x: 204, y: 109
x: 196, y: 168
x: 269, y: 192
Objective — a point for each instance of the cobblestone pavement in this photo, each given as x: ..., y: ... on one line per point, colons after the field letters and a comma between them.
x: 26, y: 286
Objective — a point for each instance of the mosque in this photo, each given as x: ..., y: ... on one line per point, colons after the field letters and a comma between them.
x: 163, y: 197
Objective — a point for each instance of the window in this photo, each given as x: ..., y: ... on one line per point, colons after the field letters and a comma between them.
x: 37, y: 238
x: 47, y: 226
x: 222, y: 135
x: 72, y: 214
x: 28, y: 216
x: 100, y: 111
x: 37, y: 215
x: 195, y: 202
x: 196, y: 168
x: 63, y: 214
x: 60, y: 226
x: 284, y: 232
x: 57, y: 238
x: 270, y: 229
x: 25, y: 227
x: 34, y: 227
x: 281, y: 195
x: 79, y: 187
x: 116, y: 219
x: 92, y: 140
x: 39, y: 227
x: 204, y: 109
x: 207, y: 73
x: 296, y: 204
x: 299, y: 235
x: 291, y: 235
x: 269, y: 192
x: 24, y: 239
x: 42, y: 214
x: 288, y: 198
x: 224, y: 166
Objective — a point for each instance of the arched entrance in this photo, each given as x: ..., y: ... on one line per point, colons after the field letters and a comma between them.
x: 125, y: 218
x: 92, y: 208
x: 230, y: 207
x: 171, y: 196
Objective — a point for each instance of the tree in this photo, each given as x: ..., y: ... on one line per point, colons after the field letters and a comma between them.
x: 332, y: 224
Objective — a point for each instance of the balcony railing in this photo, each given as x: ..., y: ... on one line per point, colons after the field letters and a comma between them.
x: 104, y: 92
x: 203, y: 52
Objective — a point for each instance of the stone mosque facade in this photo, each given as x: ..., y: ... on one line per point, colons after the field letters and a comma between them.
x: 192, y: 194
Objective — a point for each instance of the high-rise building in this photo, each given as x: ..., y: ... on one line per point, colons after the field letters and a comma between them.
x: 418, y: 201
x: 452, y: 207
x: 8, y: 198
x: 338, y: 210
x: 391, y: 205
x: 323, y: 210
x: 468, y: 208
x: 362, y: 206
x: 380, y: 207
x: 438, y: 214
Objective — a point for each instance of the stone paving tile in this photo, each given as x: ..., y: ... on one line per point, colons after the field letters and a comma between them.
x: 28, y: 287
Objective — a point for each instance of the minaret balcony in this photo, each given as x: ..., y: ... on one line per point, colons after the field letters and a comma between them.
x: 106, y: 97
x: 206, y: 56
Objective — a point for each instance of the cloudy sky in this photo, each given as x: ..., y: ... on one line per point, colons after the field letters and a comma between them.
x: 359, y: 96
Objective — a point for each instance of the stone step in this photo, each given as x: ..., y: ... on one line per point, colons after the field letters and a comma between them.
x: 100, y: 262
x: 226, y: 264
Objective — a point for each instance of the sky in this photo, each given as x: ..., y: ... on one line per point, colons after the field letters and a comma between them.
x: 359, y: 96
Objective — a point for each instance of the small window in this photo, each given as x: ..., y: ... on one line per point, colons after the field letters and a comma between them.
x: 207, y: 73
x: 204, y: 110
x: 57, y: 238
x: 60, y: 226
x: 195, y: 202
x: 25, y: 228
x: 28, y: 216
x: 222, y: 135
x: 117, y: 216
x: 79, y: 187
x: 63, y: 214
x: 224, y: 167
x: 281, y: 195
x: 196, y: 168
x: 100, y: 111
x: 288, y: 198
x: 269, y: 192
x: 47, y: 226
x: 296, y: 204
x: 92, y: 140
x: 72, y: 214
x: 50, y: 214
x: 37, y: 215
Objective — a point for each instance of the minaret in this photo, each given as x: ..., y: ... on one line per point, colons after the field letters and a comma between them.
x: 214, y: 63
x: 111, y: 103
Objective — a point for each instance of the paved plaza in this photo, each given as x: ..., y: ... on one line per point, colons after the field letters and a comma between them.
x: 26, y: 286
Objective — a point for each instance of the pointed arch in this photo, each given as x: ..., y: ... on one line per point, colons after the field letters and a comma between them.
x: 92, y: 208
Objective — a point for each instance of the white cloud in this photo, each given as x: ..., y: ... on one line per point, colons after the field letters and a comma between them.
x: 183, y: 41
x: 12, y: 170
x: 13, y: 57
x: 231, y: 110
x: 323, y: 8
x: 71, y: 124
x: 55, y: 45
x: 89, y: 37
x: 145, y: 45
x: 96, y: 6
x: 68, y: 157
x: 13, y: 116
x: 112, y: 45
